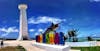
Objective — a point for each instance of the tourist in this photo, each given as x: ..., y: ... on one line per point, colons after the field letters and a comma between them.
x: 2, y: 43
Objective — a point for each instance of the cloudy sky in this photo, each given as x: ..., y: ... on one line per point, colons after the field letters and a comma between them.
x: 78, y: 14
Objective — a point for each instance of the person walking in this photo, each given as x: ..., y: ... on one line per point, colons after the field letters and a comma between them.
x: 2, y: 43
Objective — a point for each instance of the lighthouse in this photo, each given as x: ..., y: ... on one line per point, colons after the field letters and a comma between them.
x: 23, y: 27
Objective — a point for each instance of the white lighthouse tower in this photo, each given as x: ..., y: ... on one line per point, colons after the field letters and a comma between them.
x: 23, y: 33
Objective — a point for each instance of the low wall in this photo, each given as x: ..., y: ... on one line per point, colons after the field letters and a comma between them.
x: 49, y: 47
x: 82, y: 44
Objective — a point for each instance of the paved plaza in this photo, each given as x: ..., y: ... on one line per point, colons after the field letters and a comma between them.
x: 26, y: 44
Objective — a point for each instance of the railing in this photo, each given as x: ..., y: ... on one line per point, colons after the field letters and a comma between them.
x: 82, y: 44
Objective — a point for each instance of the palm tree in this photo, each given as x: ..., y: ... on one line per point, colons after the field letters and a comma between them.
x: 89, y: 38
x: 70, y: 35
x: 73, y: 35
x: 65, y: 37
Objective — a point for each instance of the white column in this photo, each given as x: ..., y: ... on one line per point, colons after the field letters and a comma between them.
x: 23, y: 34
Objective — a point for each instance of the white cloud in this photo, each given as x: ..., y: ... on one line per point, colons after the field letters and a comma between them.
x: 31, y: 30
x: 36, y: 34
x: 5, y: 34
x: 40, y: 30
x: 94, y: 0
x: 8, y: 30
x: 44, y: 19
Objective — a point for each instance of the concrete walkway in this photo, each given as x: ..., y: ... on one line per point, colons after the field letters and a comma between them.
x: 26, y: 44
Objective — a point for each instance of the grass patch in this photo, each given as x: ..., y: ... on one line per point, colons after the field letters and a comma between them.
x: 96, y: 48
x: 10, y: 48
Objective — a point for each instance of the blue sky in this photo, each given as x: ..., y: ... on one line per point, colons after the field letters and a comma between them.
x: 78, y: 14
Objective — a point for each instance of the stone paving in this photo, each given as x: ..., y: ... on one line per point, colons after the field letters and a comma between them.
x: 26, y: 44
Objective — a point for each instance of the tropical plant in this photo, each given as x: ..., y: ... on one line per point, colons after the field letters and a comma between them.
x: 89, y: 38
x: 73, y: 35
